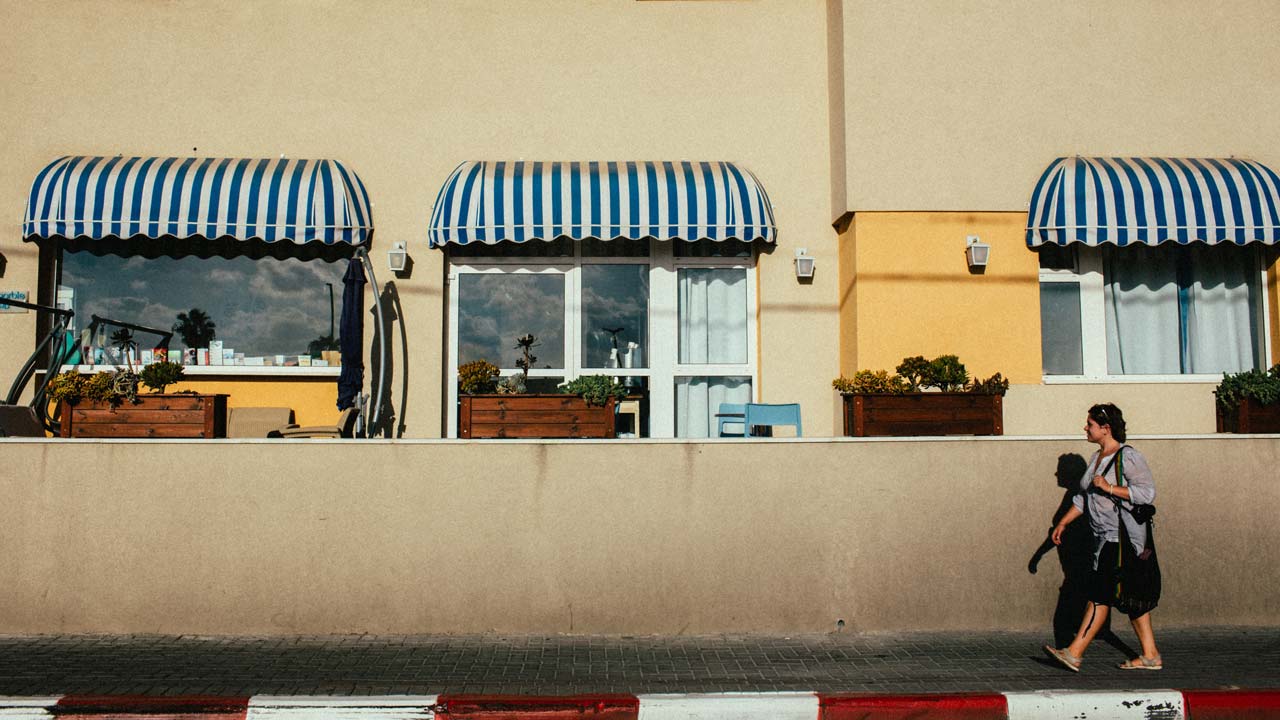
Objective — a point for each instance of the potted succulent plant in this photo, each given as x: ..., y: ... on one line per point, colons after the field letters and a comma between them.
x: 923, y: 397
x: 493, y: 407
x: 1249, y: 402
x: 108, y: 404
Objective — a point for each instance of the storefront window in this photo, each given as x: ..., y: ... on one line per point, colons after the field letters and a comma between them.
x: 264, y: 312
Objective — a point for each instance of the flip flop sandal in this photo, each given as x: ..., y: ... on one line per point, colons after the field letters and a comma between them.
x: 1069, y: 661
x: 1142, y: 663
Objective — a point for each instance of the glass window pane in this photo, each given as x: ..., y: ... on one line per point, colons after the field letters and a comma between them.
x: 698, y: 400
x: 545, y: 385
x: 1056, y: 257
x: 560, y: 247
x: 712, y: 315
x: 265, y: 311
x: 1174, y: 309
x: 1221, y: 299
x: 615, y: 316
x: 593, y: 248
x: 1060, y: 328
x: 712, y: 248
x: 496, y: 308
x: 1144, y: 331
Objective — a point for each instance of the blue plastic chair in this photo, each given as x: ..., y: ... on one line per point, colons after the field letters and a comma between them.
x: 730, y: 414
x: 762, y: 414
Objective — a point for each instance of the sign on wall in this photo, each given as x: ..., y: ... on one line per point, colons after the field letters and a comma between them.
x: 12, y: 295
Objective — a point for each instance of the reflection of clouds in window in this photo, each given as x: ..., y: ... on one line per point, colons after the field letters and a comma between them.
x: 614, y: 296
x: 494, y: 310
x: 261, y: 307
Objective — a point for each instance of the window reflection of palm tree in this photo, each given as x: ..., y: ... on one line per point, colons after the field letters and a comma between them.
x: 196, y: 328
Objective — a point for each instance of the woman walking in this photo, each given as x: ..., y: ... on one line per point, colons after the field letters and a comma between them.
x: 1116, y: 480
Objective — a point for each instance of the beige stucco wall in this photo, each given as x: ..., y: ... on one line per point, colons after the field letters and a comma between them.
x: 590, y: 537
x: 961, y: 105
x: 1150, y: 408
x: 403, y: 91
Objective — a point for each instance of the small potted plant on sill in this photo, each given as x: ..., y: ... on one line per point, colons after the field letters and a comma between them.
x: 489, y: 407
x: 923, y: 397
x: 1249, y: 401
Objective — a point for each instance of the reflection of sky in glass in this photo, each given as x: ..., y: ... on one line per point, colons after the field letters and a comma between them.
x: 614, y: 296
x: 495, y: 309
x: 261, y: 307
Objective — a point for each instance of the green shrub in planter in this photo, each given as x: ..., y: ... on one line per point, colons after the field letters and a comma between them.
x: 477, y: 377
x: 595, y: 389
x: 1261, y: 386
x: 158, y: 376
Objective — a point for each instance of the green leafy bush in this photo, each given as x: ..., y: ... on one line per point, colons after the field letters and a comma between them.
x: 995, y: 385
x: 69, y: 386
x: 1260, y: 386
x: 871, y: 382
x: 915, y: 373
x: 158, y: 376
x: 946, y: 373
x: 477, y: 377
x: 595, y: 389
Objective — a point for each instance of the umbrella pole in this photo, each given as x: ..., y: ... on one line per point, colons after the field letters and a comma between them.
x: 382, y: 342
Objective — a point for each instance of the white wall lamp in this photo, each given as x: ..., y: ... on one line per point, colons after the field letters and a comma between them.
x: 805, y: 264
x: 976, y: 252
x: 397, y: 258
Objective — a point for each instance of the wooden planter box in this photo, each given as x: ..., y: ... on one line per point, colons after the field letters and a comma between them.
x: 1249, y: 417
x: 533, y: 416
x: 923, y: 414
x: 155, y: 416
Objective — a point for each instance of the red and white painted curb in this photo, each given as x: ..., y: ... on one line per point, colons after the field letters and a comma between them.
x: 1108, y: 705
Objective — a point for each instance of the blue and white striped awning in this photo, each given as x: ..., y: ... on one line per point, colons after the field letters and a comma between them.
x: 493, y: 202
x: 295, y: 201
x: 1123, y: 201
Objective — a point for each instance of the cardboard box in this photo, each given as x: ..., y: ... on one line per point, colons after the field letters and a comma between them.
x: 215, y: 352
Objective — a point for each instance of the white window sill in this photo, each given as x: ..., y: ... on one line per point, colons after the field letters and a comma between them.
x: 1132, y: 380
x: 193, y: 371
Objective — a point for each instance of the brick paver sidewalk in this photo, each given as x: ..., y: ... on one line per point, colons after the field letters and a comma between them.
x: 562, y: 665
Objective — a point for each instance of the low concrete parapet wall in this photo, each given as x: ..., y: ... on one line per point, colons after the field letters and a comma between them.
x: 236, y: 537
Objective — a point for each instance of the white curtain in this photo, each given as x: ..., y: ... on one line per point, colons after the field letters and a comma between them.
x: 713, y: 315
x: 1173, y: 310
x: 698, y: 400
x: 1222, y: 317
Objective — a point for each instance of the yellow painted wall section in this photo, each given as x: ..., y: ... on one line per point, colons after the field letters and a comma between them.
x: 314, y: 400
x: 848, y: 301
x: 916, y: 295
x: 1273, y: 307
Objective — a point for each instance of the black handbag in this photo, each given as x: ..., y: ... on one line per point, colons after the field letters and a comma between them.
x: 1137, y: 574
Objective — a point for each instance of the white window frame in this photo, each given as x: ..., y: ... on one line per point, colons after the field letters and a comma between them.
x: 663, y: 333
x: 1093, y: 323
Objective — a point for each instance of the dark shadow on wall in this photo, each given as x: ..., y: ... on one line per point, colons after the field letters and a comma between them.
x: 1075, y: 556
x: 389, y: 424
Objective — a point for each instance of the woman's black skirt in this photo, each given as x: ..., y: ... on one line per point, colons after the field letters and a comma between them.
x: 1135, y: 592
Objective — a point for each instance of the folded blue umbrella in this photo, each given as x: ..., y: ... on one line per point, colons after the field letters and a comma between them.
x: 351, y: 335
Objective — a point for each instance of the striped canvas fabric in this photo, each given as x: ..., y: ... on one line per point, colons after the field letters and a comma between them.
x: 493, y: 202
x: 1122, y: 201
x: 298, y: 201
